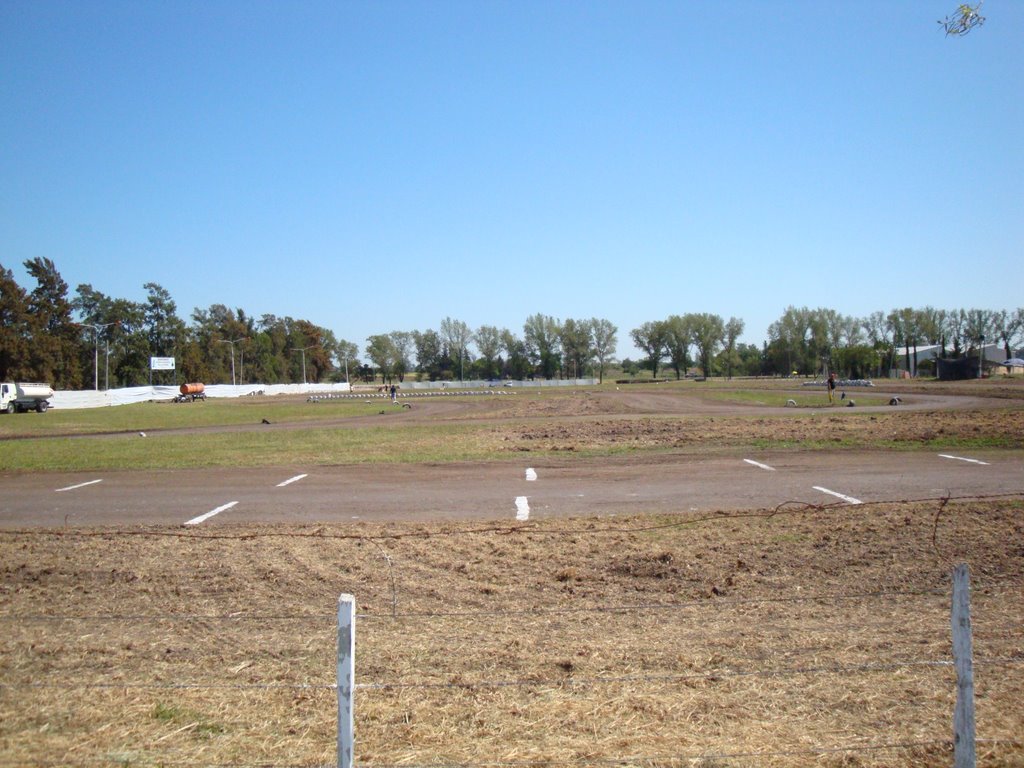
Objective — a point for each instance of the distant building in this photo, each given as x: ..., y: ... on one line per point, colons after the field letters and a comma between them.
x: 927, y: 354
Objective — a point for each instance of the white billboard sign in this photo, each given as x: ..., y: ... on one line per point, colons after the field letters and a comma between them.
x: 161, y: 363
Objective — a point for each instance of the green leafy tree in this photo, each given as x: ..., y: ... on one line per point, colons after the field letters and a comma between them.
x: 15, y: 329
x: 708, y: 333
x: 380, y: 349
x: 652, y: 339
x: 577, y: 343
x: 788, y: 341
x: 1005, y: 328
x: 733, y: 328
x: 54, y: 349
x: 604, y: 334
x: 488, y: 343
x: 517, y: 361
x: 457, y: 336
x: 347, y: 355
x: 403, y: 344
x: 978, y: 328
x: 312, y: 346
x: 542, y: 335
x: 430, y: 357
x: 678, y: 337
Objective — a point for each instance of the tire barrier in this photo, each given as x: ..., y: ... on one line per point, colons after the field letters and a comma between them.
x: 371, y: 396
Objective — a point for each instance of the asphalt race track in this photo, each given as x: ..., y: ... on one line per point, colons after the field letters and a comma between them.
x: 499, y: 490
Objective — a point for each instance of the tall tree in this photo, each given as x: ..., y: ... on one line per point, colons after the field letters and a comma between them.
x: 978, y: 327
x: 542, y: 336
x: 380, y: 349
x: 517, y: 362
x: 430, y: 357
x: 678, y: 338
x: 488, y: 343
x: 733, y: 329
x: 605, y: 342
x: 708, y: 332
x: 457, y: 336
x: 347, y: 354
x: 15, y: 329
x: 652, y: 339
x: 1006, y: 328
x: 956, y: 322
x: 788, y: 340
x: 577, y: 346
x: 54, y: 349
x: 165, y: 330
x: 313, y: 346
x: 402, y: 341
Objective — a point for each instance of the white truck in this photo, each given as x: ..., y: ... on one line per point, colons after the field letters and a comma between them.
x: 18, y: 398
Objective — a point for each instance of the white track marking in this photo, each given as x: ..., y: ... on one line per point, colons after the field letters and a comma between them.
x: 531, y: 474
x: 849, y: 499
x: 760, y: 465
x: 961, y: 458
x: 211, y: 513
x: 522, y: 508
x: 80, y: 485
x: 291, y: 480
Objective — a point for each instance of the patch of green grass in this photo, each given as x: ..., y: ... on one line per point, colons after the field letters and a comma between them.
x: 165, y: 415
x: 198, y: 725
x: 313, y: 446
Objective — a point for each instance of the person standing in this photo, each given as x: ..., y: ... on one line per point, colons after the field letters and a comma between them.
x: 831, y: 387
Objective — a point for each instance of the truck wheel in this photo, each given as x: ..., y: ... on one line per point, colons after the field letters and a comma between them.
x: 41, y: 406
x: 12, y: 408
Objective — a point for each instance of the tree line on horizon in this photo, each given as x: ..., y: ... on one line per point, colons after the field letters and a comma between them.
x: 807, y: 341
x: 99, y: 340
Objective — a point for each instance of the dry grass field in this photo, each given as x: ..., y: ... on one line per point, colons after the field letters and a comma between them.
x: 800, y: 635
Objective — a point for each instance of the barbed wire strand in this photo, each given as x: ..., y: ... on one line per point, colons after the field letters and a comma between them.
x: 612, y: 761
x: 836, y: 669
x: 629, y: 608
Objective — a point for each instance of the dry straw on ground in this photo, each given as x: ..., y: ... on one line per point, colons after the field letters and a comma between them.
x: 806, y: 636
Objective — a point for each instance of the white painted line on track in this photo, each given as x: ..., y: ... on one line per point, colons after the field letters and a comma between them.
x: 759, y: 465
x: 522, y: 508
x: 961, y: 458
x: 849, y: 499
x: 531, y: 474
x: 211, y: 513
x: 291, y: 480
x: 80, y: 485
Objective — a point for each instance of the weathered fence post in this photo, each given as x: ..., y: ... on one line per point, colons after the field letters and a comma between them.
x: 963, y: 715
x: 346, y: 679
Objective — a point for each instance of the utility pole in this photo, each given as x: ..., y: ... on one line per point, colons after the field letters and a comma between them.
x: 232, y: 342
x: 96, y: 352
x: 303, y: 351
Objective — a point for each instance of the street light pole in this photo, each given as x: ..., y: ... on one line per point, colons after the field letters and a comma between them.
x: 232, y: 342
x: 303, y: 351
x: 97, y: 327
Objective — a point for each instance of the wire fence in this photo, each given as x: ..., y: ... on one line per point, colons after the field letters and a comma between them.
x: 795, y: 675
x: 77, y: 681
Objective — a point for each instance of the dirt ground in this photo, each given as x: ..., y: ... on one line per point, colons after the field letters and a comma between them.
x: 804, y: 635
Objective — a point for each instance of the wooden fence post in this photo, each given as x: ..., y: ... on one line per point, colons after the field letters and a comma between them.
x: 346, y: 679
x: 963, y: 715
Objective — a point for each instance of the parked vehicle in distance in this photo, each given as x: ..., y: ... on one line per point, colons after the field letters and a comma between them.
x: 189, y: 393
x: 21, y: 397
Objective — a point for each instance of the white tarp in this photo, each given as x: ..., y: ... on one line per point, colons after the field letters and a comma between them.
x: 90, y: 399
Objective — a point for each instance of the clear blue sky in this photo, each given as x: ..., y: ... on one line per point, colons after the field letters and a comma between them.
x: 378, y: 166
